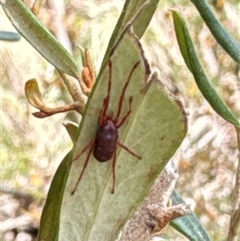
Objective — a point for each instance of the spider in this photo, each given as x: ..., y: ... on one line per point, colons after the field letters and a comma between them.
x: 104, y: 145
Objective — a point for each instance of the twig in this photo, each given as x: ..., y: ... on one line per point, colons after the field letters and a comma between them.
x: 47, y: 111
x: 153, y: 215
x: 74, y: 90
x: 234, y: 230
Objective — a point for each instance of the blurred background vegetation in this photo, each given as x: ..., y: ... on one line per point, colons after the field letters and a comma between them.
x: 33, y: 148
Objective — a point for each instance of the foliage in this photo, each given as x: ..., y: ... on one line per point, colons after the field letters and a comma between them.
x: 178, y: 20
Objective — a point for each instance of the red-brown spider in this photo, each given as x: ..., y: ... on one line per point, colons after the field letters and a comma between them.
x: 104, y: 145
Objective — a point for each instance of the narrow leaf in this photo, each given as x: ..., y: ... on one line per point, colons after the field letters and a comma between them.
x: 189, y: 225
x: 49, y: 223
x: 38, y: 36
x: 191, y: 59
x: 9, y: 36
x: 72, y: 130
x: 224, y: 38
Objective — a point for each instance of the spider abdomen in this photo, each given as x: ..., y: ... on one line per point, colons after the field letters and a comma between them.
x: 106, y: 141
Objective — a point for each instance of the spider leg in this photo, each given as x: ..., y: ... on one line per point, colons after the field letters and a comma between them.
x: 84, y: 149
x: 127, y: 114
x: 128, y: 150
x: 90, y: 145
x: 123, y: 92
x: 102, y: 113
x: 106, y: 100
x: 114, y: 171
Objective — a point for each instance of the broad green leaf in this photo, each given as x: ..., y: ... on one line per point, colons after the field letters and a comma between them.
x: 38, y: 36
x: 224, y: 38
x: 189, y: 225
x: 154, y: 130
x: 191, y: 59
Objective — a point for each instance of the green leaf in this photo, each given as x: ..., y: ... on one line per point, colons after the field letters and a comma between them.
x: 191, y: 60
x: 38, y: 36
x: 71, y: 129
x: 136, y: 12
x: 223, y: 37
x: 189, y: 225
x: 154, y: 130
x: 49, y: 224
